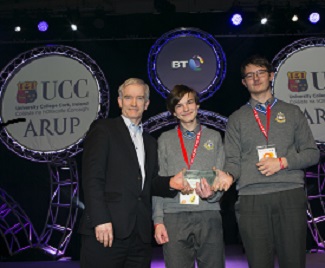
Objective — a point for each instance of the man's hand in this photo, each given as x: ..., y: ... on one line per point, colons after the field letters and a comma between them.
x: 104, y: 234
x: 161, y: 234
x: 223, y: 181
x: 179, y: 183
x: 203, y: 189
x: 268, y: 166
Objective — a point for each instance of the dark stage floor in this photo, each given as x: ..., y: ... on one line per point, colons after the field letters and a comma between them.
x: 234, y: 259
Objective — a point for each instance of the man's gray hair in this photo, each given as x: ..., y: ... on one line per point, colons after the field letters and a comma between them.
x: 134, y: 81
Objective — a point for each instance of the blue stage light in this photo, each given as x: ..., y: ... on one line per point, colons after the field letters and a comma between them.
x: 42, y: 26
x: 236, y: 19
x: 314, y: 17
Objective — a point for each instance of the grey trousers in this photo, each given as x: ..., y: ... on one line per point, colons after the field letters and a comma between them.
x: 194, y: 236
x: 274, y: 224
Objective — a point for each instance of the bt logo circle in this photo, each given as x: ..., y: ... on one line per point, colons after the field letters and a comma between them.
x: 195, y: 63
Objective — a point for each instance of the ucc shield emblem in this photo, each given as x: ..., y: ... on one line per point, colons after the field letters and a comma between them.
x: 27, y: 92
x: 297, y: 81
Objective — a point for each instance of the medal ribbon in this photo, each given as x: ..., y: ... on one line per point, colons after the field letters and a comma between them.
x: 258, y: 120
x: 196, y: 145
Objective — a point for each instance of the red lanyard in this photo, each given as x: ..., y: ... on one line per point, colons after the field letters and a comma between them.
x: 196, y: 145
x: 258, y: 120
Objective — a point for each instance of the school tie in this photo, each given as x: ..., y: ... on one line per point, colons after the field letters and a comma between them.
x: 261, y: 107
x: 189, y: 134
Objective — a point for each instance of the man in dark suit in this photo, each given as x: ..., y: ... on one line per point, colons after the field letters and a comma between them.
x: 119, y: 175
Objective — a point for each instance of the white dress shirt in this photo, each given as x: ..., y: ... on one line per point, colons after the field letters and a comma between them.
x: 136, y: 136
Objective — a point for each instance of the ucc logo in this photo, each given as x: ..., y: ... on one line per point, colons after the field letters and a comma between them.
x: 66, y: 89
x: 297, y: 81
x: 27, y: 92
x: 194, y: 63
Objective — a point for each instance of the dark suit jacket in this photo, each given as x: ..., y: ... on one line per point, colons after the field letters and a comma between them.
x: 110, y: 180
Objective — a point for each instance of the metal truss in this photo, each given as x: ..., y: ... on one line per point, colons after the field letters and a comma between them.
x: 164, y: 119
x: 15, y: 227
x: 63, y: 208
x: 18, y: 231
x: 315, y: 181
x: 294, y: 47
x: 321, y: 147
x: 42, y: 157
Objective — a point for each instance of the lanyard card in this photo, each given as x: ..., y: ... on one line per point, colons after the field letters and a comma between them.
x: 192, y: 198
x: 266, y: 151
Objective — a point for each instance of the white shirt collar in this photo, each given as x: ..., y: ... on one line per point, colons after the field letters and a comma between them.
x: 132, y: 127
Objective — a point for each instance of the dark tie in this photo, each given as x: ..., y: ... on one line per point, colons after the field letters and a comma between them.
x: 189, y: 134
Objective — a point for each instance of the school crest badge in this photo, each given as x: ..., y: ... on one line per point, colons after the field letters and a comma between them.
x: 209, y: 145
x: 280, y: 118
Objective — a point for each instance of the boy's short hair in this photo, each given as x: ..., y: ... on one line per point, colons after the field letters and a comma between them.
x: 177, y: 94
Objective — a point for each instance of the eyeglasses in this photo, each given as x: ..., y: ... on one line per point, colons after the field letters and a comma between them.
x: 258, y: 73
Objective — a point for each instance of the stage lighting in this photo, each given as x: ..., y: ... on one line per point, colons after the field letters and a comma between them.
x: 42, y: 26
x: 263, y: 20
x: 314, y: 17
x: 73, y: 16
x: 264, y: 10
x: 74, y: 27
x: 17, y: 29
x: 236, y: 19
x: 295, y: 17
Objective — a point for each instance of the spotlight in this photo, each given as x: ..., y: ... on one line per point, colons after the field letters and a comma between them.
x: 236, y: 19
x: 265, y: 10
x: 314, y: 17
x: 42, y: 26
x: 263, y: 20
x: 17, y: 29
x: 73, y: 16
x: 295, y: 17
x: 74, y: 27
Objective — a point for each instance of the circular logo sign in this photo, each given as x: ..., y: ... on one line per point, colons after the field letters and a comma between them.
x: 190, y: 57
x: 56, y: 95
x: 299, y: 79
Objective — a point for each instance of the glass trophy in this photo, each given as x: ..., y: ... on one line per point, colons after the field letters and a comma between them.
x: 197, y: 175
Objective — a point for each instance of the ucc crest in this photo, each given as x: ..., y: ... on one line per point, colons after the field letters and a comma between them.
x: 297, y: 81
x: 27, y: 92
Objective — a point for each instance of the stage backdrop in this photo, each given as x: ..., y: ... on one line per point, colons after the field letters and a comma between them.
x: 120, y: 59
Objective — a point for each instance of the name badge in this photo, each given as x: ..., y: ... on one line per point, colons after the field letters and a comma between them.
x: 192, y: 198
x: 264, y: 151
